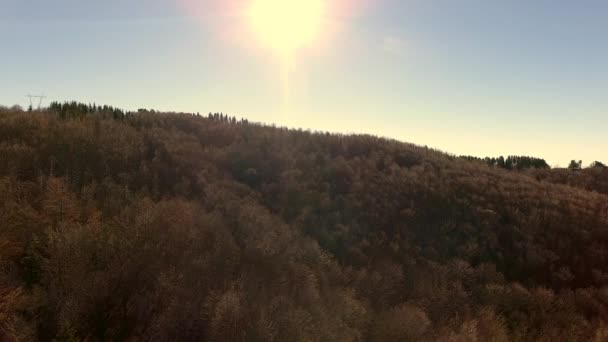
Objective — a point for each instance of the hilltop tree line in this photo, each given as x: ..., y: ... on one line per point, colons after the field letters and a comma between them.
x: 525, y: 162
x: 512, y: 162
x: 169, y: 227
x: 78, y: 110
x: 591, y: 178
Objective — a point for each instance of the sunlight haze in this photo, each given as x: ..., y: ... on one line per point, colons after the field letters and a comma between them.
x: 468, y: 77
x: 287, y: 25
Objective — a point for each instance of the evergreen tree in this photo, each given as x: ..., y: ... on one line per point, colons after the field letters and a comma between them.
x: 574, y: 165
x: 501, y: 162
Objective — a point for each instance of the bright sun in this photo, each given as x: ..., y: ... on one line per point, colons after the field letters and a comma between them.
x: 287, y: 25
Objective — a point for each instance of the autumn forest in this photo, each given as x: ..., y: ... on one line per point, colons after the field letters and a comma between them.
x: 149, y: 226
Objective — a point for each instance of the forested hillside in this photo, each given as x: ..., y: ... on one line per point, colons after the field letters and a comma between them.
x: 155, y: 226
x: 594, y: 178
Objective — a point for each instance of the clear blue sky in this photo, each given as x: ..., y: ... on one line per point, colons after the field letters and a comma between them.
x: 478, y: 77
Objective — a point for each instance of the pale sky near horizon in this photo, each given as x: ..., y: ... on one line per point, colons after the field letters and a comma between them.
x: 475, y: 77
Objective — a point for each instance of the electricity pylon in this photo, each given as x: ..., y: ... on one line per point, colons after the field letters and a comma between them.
x: 32, y: 97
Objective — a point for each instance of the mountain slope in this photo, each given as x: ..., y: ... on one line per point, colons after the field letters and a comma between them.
x: 178, y: 227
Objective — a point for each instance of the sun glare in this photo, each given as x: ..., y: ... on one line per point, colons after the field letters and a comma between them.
x: 287, y: 25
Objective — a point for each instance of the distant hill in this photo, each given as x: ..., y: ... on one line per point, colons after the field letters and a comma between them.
x: 593, y: 178
x: 165, y: 227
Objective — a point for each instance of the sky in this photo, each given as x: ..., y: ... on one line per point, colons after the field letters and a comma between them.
x: 474, y: 77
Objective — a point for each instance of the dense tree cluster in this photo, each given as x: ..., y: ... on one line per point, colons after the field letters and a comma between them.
x: 575, y: 165
x: 225, y: 118
x: 75, y: 110
x: 154, y: 226
x: 512, y: 162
